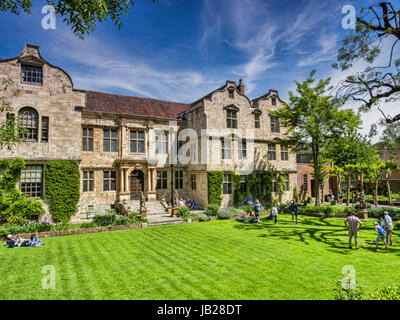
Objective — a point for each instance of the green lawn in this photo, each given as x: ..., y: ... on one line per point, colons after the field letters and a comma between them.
x: 208, y: 260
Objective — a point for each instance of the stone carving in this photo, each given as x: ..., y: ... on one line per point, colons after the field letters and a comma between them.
x: 176, y: 198
x: 142, y: 202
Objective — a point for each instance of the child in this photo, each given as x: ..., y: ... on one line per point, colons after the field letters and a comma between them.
x: 381, y: 235
x: 381, y: 222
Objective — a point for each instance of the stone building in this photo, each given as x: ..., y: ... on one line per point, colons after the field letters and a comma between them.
x: 128, y: 145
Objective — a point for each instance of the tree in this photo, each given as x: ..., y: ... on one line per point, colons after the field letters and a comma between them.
x: 375, y: 27
x: 313, y: 118
x: 355, y: 150
x: 337, y: 172
x: 377, y: 173
x: 83, y: 16
x: 390, y: 139
x: 11, y: 132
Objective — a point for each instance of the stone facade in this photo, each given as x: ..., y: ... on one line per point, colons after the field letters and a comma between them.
x: 116, y: 138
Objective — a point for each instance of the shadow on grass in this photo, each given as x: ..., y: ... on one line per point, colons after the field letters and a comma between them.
x: 308, y: 230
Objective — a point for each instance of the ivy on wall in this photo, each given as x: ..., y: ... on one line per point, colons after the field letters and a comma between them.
x: 215, y: 182
x: 62, y: 181
x: 10, y: 171
x: 253, y: 182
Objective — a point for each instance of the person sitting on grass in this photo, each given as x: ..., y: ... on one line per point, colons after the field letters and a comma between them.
x: 35, y: 240
x: 381, y: 235
x: 10, y: 241
x: 353, y: 224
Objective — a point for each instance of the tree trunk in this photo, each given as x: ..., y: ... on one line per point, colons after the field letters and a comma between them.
x: 362, y: 181
x: 338, y: 181
x: 376, y: 191
x: 388, y: 188
x: 348, y: 191
x: 315, y: 152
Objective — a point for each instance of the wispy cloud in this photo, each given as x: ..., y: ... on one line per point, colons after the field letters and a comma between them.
x: 327, y: 51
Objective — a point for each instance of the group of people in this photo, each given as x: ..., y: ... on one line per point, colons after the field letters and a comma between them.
x: 190, y: 203
x: 17, y: 242
x: 384, y: 229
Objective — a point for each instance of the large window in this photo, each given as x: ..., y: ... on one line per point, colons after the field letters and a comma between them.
x: 137, y: 141
x: 284, y: 153
x: 32, y: 74
x: 274, y: 125
x: 274, y: 182
x: 162, y: 180
x: 88, y: 181
x: 193, y: 181
x: 87, y: 139
x: 109, y: 140
x: 45, y: 129
x: 110, y: 181
x: 227, y: 187
x: 226, y: 144
x: 29, y: 119
x: 179, y: 179
x: 271, y: 152
x: 32, y: 181
x: 242, y: 149
x: 231, y: 119
x: 161, y: 143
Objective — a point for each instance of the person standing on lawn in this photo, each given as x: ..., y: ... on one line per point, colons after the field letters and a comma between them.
x: 274, y: 213
x: 353, y: 224
x: 381, y: 235
x: 340, y: 196
x: 257, y: 209
x: 293, y: 210
x: 388, y: 226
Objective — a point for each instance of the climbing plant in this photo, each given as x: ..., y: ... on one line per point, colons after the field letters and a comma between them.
x: 215, y: 183
x: 62, y: 180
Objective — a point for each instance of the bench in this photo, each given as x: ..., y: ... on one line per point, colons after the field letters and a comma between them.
x: 96, y: 211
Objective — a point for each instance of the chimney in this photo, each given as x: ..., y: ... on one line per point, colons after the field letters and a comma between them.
x: 241, y: 87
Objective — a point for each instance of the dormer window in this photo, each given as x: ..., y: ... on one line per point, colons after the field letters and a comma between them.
x: 273, y: 101
x: 32, y: 74
x: 231, y: 93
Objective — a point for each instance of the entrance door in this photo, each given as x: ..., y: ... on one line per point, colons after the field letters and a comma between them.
x: 137, y: 184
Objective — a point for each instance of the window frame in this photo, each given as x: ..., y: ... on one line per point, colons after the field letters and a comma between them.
x: 242, y: 151
x: 274, y: 124
x: 32, y: 185
x: 87, y: 138
x: 272, y: 152
x: 88, y: 178
x: 32, y: 120
x: 137, y: 141
x: 231, y: 119
x: 178, y: 179
x: 225, y: 149
x: 227, y: 184
x: 193, y: 181
x: 32, y: 67
x: 110, y: 140
x: 45, y: 130
x: 162, y: 180
x: 161, y: 142
x: 111, y: 180
x: 257, y: 121
x: 284, y: 153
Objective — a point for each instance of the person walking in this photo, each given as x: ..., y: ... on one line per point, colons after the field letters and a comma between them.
x: 340, y: 196
x: 353, y: 224
x: 374, y: 198
x: 257, y: 209
x: 293, y: 210
x: 381, y: 235
x: 388, y: 226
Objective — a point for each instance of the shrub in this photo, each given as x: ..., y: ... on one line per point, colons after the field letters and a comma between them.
x: 136, y: 218
x: 378, y: 212
x: 248, y: 209
x: 105, y: 220
x: 225, y: 214
x: 391, y: 292
x: 62, y: 188
x: 87, y: 225
x: 212, y: 210
x: 183, y: 212
x: 343, y: 293
x: 121, y: 220
x: 203, y: 217
x: 7, y: 229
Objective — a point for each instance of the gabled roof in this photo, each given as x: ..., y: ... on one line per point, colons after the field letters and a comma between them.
x: 120, y: 104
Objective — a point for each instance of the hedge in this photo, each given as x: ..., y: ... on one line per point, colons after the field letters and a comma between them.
x: 62, y: 184
x: 215, y: 182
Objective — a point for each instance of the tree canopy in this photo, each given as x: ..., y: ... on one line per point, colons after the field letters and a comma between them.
x: 82, y: 16
x: 376, y: 27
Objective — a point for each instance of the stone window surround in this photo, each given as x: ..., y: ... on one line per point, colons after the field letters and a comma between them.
x: 227, y: 184
x: 87, y: 137
x: 40, y: 117
x: 110, y: 139
x: 130, y: 130
x: 88, y: 180
x: 163, y: 178
x: 35, y: 65
x: 110, y: 179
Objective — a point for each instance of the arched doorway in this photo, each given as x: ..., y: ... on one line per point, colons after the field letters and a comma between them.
x: 136, y: 184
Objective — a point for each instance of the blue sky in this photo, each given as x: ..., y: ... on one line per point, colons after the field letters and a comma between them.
x: 180, y: 50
